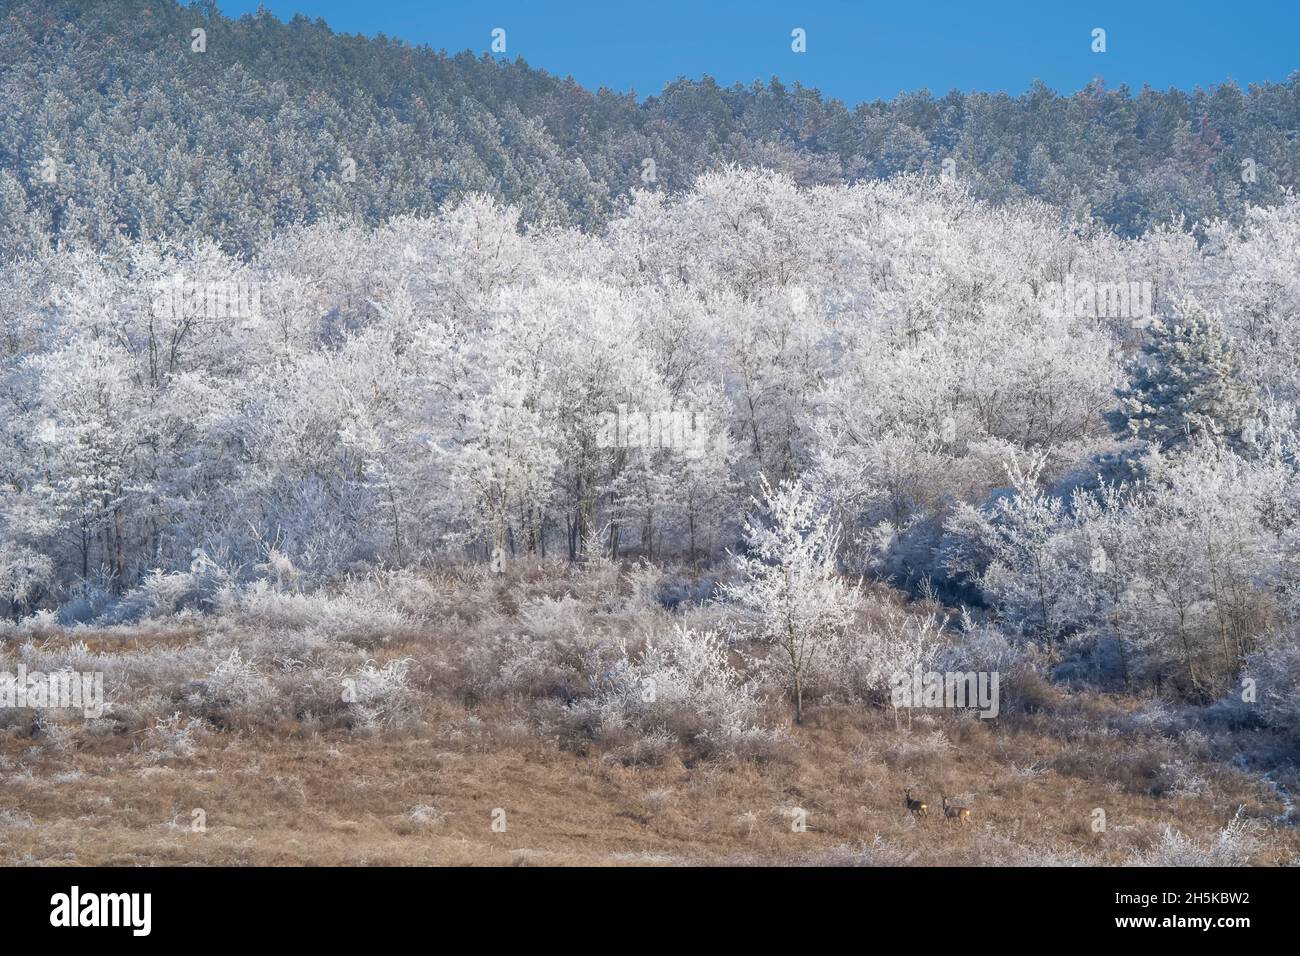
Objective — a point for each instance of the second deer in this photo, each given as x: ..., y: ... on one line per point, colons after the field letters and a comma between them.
x: 951, y: 813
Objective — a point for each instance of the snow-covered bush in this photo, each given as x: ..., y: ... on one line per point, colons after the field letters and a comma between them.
x: 24, y: 576
x: 340, y: 615
x: 860, y: 662
x: 517, y: 664
x: 164, y: 593
x: 549, y: 618
x: 380, y: 697
x: 1275, y: 670
x: 233, y: 692
x: 175, y: 736
x: 682, y: 683
x: 1234, y: 846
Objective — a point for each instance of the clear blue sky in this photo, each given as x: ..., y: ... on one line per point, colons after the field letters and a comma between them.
x: 856, y: 51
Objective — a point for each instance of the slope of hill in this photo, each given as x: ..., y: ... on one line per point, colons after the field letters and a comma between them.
x: 116, y: 124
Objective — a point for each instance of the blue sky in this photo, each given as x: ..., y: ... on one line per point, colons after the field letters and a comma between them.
x: 855, y: 51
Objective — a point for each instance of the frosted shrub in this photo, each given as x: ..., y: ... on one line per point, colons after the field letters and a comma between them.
x: 1154, y: 719
x: 55, y: 736
x: 425, y: 815
x: 551, y: 619
x: 1276, y: 671
x: 410, y: 593
x: 920, y: 748
x: 139, y: 669
x: 652, y: 747
x: 234, y: 689
x: 982, y: 647
x: 340, y: 615
x: 24, y: 575
x: 174, y: 736
x: 236, y: 678
x: 138, y: 713
x: 279, y: 566
x: 537, y: 668
x: 1232, y: 847
x: 159, y: 594
x: 597, y: 583
x: 41, y: 621
x: 76, y: 656
x: 879, y: 852
x: 646, y: 581
x: 682, y: 683
x: 1178, y: 778
x: 162, y: 594
x: 380, y: 697
x: 85, y: 602
x: 859, y: 663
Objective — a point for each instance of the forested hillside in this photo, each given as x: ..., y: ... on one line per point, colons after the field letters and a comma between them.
x: 114, y: 125
x: 986, y: 403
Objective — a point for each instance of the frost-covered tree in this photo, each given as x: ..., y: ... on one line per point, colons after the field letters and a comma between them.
x: 440, y: 386
x: 1175, y: 578
x: 1015, y: 553
x: 505, y: 460
x: 422, y: 126
x: 796, y: 598
x: 24, y: 576
x: 1246, y: 277
x: 1188, y: 383
x: 1275, y: 670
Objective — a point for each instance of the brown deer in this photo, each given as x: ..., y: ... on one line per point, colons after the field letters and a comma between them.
x: 950, y: 813
x: 917, y: 808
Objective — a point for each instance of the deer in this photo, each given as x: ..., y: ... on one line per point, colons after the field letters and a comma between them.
x: 917, y: 808
x: 950, y: 813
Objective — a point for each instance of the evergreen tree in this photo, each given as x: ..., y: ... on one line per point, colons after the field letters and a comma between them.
x: 1186, y: 384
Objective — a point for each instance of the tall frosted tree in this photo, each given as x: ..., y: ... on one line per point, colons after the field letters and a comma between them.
x: 790, y: 582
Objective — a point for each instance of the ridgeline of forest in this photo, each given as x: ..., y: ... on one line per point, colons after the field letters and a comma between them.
x: 115, y: 125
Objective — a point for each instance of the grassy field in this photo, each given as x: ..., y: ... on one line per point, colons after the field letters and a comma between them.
x: 429, y: 798
x: 479, y: 737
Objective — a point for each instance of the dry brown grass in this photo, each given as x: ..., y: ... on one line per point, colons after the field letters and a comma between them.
x: 428, y: 798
